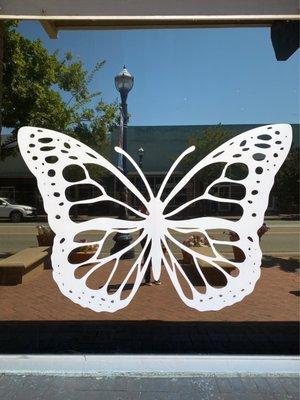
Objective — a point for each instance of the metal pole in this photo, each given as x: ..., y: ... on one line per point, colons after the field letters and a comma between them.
x: 141, y: 161
x: 122, y: 240
x: 124, y: 160
x: 125, y: 124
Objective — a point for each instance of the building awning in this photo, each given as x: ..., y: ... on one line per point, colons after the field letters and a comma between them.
x: 56, y: 15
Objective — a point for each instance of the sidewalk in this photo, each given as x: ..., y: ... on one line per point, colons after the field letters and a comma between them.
x: 155, y: 322
x: 14, y: 387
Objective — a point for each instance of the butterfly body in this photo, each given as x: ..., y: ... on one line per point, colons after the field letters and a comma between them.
x: 156, y: 229
x: 261, y: 151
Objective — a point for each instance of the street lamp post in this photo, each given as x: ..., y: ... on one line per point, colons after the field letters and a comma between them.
x: 141, y: 155
x: 124, y: 83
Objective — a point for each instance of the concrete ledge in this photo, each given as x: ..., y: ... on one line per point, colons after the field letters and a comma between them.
x: 148, y: 364
x: 13, y: 268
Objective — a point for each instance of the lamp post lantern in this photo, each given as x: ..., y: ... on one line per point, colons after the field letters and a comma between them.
x: 124, y: 83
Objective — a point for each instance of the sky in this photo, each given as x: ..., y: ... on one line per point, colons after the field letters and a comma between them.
x: 188, y: 76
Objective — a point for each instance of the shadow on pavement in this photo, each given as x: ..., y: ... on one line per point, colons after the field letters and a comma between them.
x: 295, y: 292
x: 289, y: 265
x: 5, y: 254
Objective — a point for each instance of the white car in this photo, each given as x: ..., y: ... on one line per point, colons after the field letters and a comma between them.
x: 16, y: 212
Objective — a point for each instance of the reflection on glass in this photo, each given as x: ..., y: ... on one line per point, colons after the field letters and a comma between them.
x: 169, y: 111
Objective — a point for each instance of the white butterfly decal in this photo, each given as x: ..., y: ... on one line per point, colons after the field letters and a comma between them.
x: 48, y: 153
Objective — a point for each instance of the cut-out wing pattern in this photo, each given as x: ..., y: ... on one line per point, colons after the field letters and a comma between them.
x: 262, y: 151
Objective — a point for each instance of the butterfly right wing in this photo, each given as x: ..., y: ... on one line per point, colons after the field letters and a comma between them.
x: 49, y: 155
x: 260, y: 152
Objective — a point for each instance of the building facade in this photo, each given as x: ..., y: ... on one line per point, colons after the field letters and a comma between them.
x: 161, y: 146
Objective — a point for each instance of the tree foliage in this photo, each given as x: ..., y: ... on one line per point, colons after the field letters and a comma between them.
x: 205, y: 143
x: 209, y: 140
x: 286, y: 186
x: 49, y: 91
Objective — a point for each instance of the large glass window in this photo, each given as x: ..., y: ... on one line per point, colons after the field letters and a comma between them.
x: 197, y: 87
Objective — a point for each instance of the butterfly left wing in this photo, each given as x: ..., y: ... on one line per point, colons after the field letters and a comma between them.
x: 49, y: 155
x: 262, y: 152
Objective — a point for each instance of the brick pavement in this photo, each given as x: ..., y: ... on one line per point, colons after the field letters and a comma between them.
x: 14, y: 387
x: 275, y: 298
x: 156, y: 321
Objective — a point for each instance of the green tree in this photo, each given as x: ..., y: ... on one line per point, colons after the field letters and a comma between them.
x: 208, y: 141
x: 205, y: 143
x: 49, y: 91
x: 286, y: 186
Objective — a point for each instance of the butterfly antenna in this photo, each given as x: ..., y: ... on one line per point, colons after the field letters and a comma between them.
x: 140, y: 172
x: 176, y: 162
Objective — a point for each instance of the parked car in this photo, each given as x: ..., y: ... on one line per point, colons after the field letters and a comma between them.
x: 16, y: 212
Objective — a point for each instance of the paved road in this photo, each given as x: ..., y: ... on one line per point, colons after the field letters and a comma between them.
x: 282, y: 239
x: 14, y: 387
